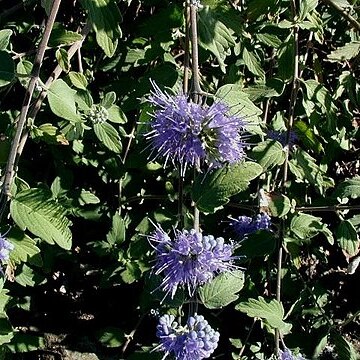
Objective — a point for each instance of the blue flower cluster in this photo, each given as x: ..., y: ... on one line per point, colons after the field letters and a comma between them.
x: 288, y: 355
x: 5, y: 248
x: 245, y: 225
x: 187, y: 133
x: 281, y: 137
x: 194, y: 341
x: 189, y: 259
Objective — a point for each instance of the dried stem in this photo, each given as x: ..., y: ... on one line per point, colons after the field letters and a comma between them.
x: 354, y: 23
x: 294, y: 91
x: 10, y: 166
x: 21, y: 136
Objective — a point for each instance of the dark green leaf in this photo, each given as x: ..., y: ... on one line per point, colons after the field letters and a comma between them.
x: 7, y: 68
x: 111, y: 337
x: 348, y: 239
x: 212, y: 190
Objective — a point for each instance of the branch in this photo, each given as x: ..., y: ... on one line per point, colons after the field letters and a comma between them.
x: 355, y: 24
x: 9, y: 172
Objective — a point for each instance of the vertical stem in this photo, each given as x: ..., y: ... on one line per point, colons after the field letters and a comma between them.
x: 10, y: 166
x: 294, y: 91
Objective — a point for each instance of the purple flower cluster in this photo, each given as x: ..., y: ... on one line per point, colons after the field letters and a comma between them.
x: 188, y: 133
x: 190, y: 259
x: 245, y: 225
x: 194, y: 341
x: 5, y: 248
x: 281, y: 137
x: 288, y: 355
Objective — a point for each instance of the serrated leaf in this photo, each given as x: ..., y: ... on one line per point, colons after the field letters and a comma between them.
x: 87, y: 197
x: 269, y: 153
x: 60, y: 36
x: 33, y: 209
x: 5, y: 38
x: 62, y: 100
x: 24, y: 246
x: 78, y: 80
x: 214, y: 189
x: 271, y: 311
x: 222, y: 290
x: 214, y: 35
x: 117, y: 233
x: 7, y: 68
x: 349, y: 188
x: 348, y: 239
x: 346, y: 52
x: 252, y: 63
x: 105, y: 17
x: 306, y: 226
x: 108, y: 136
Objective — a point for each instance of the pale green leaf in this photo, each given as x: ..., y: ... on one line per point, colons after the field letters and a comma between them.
x: 346, y: 52
x: 117, y: 234
x: 108, y: 136
x: 5, y: 38
x: 108, y: 100
x: 269, y: 39
x: 62, y: 59
x: 87, y: 197
x: 62, y: 100
x: 34, y: 210
x: 271, y: 311
x: 252, y: 63
x: 269, y: 153
x: 24, y: 68
x: 349, y: 188
x: 78, y: 80
x: 214, y: 35
x: 348, y: 239
x: 222, y: 290
x: 212, y: 190
x: 105, y: 17
x: 24, y: 246
x: 116, y: 115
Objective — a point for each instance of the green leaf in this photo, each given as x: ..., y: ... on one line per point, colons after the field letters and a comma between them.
x: 21, y: 343
x: 349, y: 188
x: 240, y: 104
x: 111, y: 337
x: 24, y: 246
x: 62, y: 59
x: 34, y: 210
x: 60, y: 36
x: 7, y: 69
x: 344, y: 349
x: 6, y: 331
x: 252, y: 63
x: 279, y: 204
x: 78, y: 80
x: 116, y: 115
x: 214, y: 35
x: 308, y: 137
x: 348, y: 239
x: 62, y: 100
x: 105, y: 17
x: 222, y: 290
x: 108, y: 100
x: 346, y: 52
x: 269, y: 40
x: 306, y: 226
x: 286, y: 54
x: 117, y: 233
x: 271, y: 311
x: 269, y: 153
x: 212, y: 190
x: 257, y: 244
x: 46, y: 4
x: 24, y: 68
x: 108, y: 136
x: 5, y: 38
x: 87, y: 197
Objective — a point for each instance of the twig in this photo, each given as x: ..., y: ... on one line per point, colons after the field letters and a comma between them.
x: 294, y: 90
x: 130, y: 337
x: 247, y: 337
x: 355, y: 24
x: 10, y: 166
